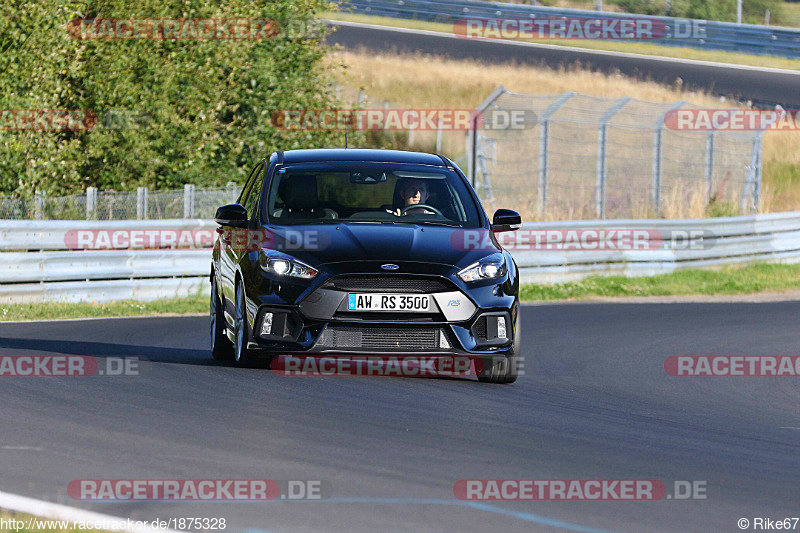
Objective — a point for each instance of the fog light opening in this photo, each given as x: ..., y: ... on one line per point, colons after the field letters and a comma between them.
x: 501, y: 328
x: 266, y: 324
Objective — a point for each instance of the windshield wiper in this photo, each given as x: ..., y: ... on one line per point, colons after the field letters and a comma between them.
x: 437, y: 223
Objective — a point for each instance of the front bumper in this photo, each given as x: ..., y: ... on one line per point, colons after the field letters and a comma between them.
x: 460, y: 320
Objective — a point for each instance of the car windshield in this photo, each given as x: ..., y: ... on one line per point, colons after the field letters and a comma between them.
x: 319, y: 193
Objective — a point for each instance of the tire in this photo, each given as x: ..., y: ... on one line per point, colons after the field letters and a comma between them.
x: 504, y: 369
x: 221, y: 346
x: 242, y: 356
x: 500, y: 370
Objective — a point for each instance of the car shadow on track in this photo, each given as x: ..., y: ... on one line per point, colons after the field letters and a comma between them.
x: 158, y: 354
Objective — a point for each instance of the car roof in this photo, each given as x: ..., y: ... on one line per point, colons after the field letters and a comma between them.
x: 348, y: 154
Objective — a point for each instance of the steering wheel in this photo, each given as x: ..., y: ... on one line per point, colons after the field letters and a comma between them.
x: 422, y: 206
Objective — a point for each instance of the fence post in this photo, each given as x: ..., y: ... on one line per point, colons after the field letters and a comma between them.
x: 473, y: 153
x: 91, y: 203
x: 487, y: 182
x: 657, y: 160
x: 544, y: 149
x: 188, y: 201
x: 602, y: 137
x: 361, y: 98
x: 759, y: 172
x: 474, y: 121
x: 600, y: 187
x: 658, y: 155
x: 38, y: 204
x: 709, y: 165
x: 752, y: 184
x: 141, y: 203
x: 232, y: 192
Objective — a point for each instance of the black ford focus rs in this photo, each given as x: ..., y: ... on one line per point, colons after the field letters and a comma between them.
x: 343, y: 252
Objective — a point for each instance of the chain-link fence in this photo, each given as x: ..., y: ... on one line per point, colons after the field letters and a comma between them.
x: 586, y: 157
x: 191, y: 202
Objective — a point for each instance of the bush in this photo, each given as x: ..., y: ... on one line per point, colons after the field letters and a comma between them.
x: 190, y: 111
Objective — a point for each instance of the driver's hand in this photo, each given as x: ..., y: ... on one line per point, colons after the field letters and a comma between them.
x: 397, y: 212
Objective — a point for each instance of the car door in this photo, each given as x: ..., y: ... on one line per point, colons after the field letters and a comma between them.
x: 228, y: 256
x: 241, y: 250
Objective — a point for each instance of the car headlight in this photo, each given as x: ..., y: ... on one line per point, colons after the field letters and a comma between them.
x: 286, y: 266
x: 493, y: 266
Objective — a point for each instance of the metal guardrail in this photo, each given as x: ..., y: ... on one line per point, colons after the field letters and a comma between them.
x: 749, y: 38
x: 771, y: 237
x: 191, y: 202
x: 35, y: 264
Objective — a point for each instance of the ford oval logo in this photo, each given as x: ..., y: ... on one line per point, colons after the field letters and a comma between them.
x: 389, y: 267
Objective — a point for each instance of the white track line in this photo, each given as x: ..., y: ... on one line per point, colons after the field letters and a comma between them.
x: 53, y: 511
x: 662, y: 59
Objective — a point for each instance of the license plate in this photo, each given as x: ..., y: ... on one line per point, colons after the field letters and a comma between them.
x: 411, y: 303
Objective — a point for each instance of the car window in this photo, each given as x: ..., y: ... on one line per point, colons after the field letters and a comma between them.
x: 248, y: 184
x: 369, y: 192
x: 254, y: 194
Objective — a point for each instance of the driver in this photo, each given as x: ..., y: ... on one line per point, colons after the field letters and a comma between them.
x: 414, y: 192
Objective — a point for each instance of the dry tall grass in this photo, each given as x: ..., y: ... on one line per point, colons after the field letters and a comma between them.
x: 427, y: 82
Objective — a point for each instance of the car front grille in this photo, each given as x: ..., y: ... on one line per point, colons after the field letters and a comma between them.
x: 384, y: 337
x: 383, y: 283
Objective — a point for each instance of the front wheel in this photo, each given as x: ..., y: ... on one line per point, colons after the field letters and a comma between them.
x: 504, y: 369
x: 221, y: 347
x: 241, y: 354
x: 499, y: 369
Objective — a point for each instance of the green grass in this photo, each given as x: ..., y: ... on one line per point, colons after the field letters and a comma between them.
x: 55, y: 311
x: 791, y: 14
x: 630, y: 47
x: 782, y: 182
x: 749, y: 279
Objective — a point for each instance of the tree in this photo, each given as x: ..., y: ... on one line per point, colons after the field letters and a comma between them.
x: 157, y: 112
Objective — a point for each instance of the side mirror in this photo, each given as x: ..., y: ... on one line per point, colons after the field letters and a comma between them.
x: 233, y: 215
x: 506, y: 220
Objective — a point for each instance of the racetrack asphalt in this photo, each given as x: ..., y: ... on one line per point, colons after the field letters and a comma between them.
x: 595, y: 403
x: 764, y: 86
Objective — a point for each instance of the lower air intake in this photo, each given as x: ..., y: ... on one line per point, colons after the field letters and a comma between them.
x: 386, y: 338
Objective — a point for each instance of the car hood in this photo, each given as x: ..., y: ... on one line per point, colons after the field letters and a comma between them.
x: 384, y: 243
